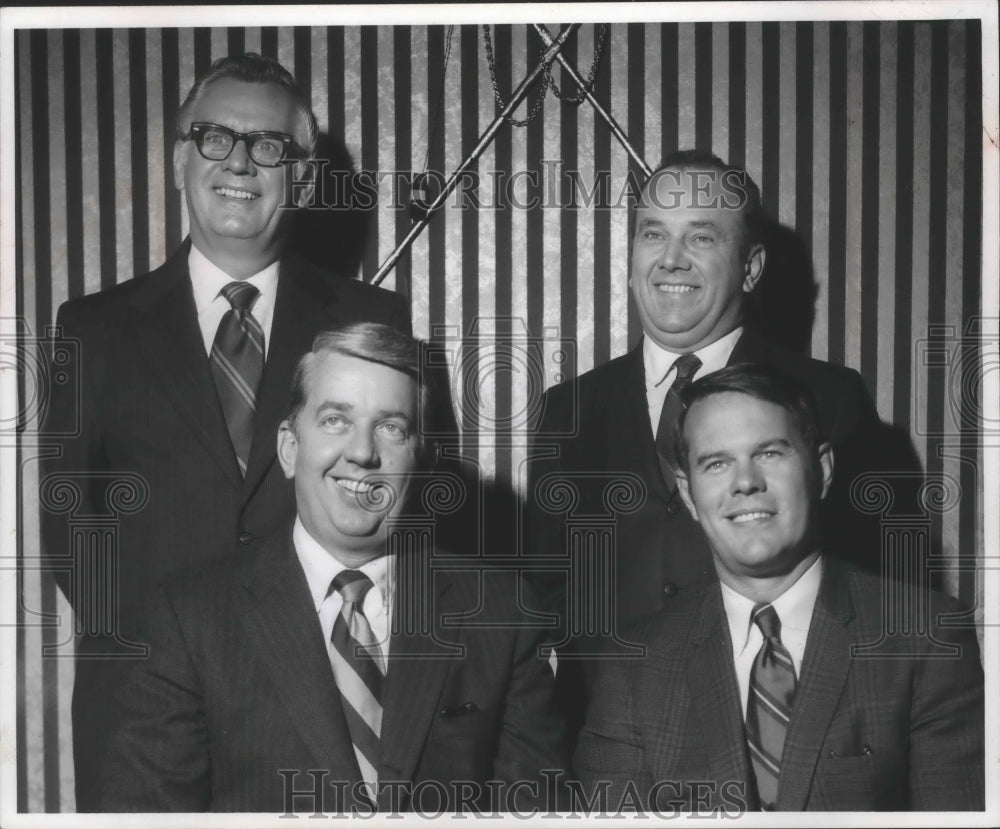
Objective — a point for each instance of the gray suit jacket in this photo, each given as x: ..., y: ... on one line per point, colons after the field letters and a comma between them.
x: 898, y: 726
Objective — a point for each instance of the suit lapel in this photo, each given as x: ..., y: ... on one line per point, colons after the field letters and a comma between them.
x: 287, y: 630
x: 298, y: 315
x: 167, y: 333
x: 418, y: 664
x: 715, y: 696
x: 825, y: 665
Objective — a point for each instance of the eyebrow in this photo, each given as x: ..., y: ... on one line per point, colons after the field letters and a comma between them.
x: 697, y: 224
x: 337, y: 406
x: 723, y: 454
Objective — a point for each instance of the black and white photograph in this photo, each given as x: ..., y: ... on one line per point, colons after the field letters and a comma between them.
x: 542, y: 414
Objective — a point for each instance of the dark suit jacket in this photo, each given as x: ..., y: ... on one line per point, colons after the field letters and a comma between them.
x: 898, y: 729
x: 239, y: 686
x: 146, y: 411
x: 595, y: 430
x: 599, y: 423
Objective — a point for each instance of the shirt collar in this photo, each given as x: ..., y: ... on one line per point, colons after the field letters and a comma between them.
x: 658, y: 361
x: 321, y: 567
x: 794, y: 607
x: 208, y: 279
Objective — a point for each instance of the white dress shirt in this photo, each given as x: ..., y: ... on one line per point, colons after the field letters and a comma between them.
x: 659, y: 366
x: 794, y: 608
x: 322, y: 567
x: 207, y: 280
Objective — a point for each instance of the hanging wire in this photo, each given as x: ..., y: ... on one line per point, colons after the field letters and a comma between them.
x: 431, y: 132
x: 547, y: 81
x: 588, y: 87
x: 536, y: 106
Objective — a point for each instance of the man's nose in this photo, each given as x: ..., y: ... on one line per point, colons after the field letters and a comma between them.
x: 238, y: 161
x: 747, y: 478
x: 362, y: 449
x: 673, y: 256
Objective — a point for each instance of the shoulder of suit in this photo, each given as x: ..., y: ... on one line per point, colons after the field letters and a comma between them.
x: 336, y: 285
x: 801, y: 367
x: 873, y: 596
x: 102, y: 305
x: 595, y: 381
x: 674, y: 627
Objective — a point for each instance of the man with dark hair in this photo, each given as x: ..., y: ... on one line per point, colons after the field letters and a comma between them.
x: 697, y: 256
x: 797, y: 682
x: 344, y: 648
x: 183, y: 379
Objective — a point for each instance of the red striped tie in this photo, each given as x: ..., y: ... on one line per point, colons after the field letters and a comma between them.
x: 237, y: 362
x: 359, y: 669
x: 769, y: 706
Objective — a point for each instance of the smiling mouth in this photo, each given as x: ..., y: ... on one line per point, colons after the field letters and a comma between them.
x: 232, y: 193
x: 666, y: 288
x: 747, y: 517
x: 356, y: 487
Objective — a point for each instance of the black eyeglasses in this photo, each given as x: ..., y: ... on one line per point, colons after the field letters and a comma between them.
x: 268, y: 149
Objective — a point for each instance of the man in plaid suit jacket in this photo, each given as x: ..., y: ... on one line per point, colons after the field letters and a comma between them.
x: 882, y: 707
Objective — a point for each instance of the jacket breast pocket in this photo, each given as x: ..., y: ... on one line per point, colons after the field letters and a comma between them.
x: 871, y: 781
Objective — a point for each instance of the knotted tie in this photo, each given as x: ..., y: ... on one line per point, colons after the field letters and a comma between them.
x: 686, y: 366
x: 359, y: 669
x: 237, y: 362
x: 769, y: 705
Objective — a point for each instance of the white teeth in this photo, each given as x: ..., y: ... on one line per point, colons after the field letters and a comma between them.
x: 675, y: 289
x: 235, y: 194
x: 354, y: 486
x: 749, y: 516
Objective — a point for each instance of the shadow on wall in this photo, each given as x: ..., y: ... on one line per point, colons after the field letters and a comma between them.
x: 330, y: 234
x: 783, y: 306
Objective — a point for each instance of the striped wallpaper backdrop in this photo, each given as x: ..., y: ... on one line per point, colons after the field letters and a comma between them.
x: 864, y: 137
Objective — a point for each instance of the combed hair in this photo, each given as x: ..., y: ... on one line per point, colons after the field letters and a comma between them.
x: 691, y: 160
x: 761, y: 383
x: 251, y: 67
x: 375, y: 343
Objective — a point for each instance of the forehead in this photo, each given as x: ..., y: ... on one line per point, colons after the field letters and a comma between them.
x: 246, y: 107
x: 731, y: 421
x: 361, y: 384
x: 682, y: 196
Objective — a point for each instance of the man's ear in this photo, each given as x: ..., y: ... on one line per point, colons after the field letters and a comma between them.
x: 180, y: 162
x: 684, y: 485
x: 288, y: 447
x: 754, y: 267
x: 826, y: 468
x: 304, y: 183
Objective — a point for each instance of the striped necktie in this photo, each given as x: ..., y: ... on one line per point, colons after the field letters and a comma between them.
x: 769, y: 706
x: 359, y: 669
x: 237, y: 362
x: 687, y: 366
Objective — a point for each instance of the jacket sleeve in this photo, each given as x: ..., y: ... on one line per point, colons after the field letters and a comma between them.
x: 532, y: 743
x: 72, y: 449
x: 609, y: 758
x: 158, y: 755
x: 947, y: 770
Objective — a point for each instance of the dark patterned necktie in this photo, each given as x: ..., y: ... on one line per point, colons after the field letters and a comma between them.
x: 686, y: 366
x: 769, y: 705
x: 237, y: 362
x: 359, y: 669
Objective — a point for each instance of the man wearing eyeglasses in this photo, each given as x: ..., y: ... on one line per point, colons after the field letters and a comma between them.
x: 183, y: 380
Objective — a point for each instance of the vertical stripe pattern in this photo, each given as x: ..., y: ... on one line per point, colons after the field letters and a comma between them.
x: 359, y: 668
x: 865, y: 139
x: 769, y: 705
